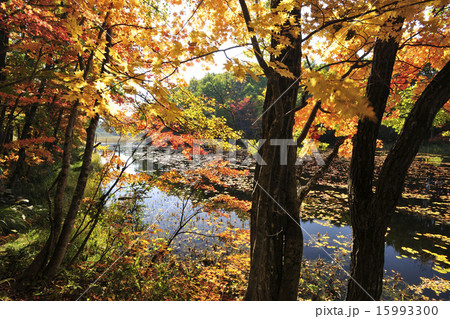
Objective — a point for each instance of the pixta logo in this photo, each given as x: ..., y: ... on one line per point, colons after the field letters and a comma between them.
x: 160, y: 155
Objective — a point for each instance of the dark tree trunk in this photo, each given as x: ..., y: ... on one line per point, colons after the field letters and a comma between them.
x: 49, y: 260
x: 367, y: 258
x: 26, y: 133
x: 276, y: 238
x: 64, y: 238
x: 415, y: 130
x: 20, y: 164
x: 6, y: 137
x: 34, y: 270
x: 4, y: 39
x: 364, y: 220
x: 57, y: 125
x: 3, y: 107
x: 58, y: 199
x: 371, y: 212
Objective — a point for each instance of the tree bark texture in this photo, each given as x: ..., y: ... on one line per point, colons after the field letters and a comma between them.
x: 26, y: 133
x: 276, y: 238
x: 276, y: 244
x: 371, y: 211
x: 363, y: 219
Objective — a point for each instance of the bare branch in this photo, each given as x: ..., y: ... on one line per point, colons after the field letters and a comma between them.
x: 313, y: 180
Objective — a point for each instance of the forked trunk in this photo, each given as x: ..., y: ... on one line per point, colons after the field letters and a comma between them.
x: 371, y: 211
x: 64, y: 239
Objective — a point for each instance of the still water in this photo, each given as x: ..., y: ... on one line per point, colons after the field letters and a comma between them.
x: 167, y: 211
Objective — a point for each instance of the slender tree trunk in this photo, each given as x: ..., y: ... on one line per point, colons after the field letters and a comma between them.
x: 35, y: 268
x: 58, y: 199
x: 4, y: 39
x: 57, y: 125
x: 3, y: 107
x: 64, y: 238
x: 26, y: 130
x: 88, y: 235
x: 6, y: 136
x: 49, y: 259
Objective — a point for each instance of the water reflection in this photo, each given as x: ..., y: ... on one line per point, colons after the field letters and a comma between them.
x: 403, y: 229
x: 403, y: 233
x: 164, y: 210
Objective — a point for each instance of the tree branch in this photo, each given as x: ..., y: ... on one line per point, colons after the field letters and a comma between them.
x: 304, y: 190
x: 255, y: 45
x: 308, y: 123
x: 415, y: 129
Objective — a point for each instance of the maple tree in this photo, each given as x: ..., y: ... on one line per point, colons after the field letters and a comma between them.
x: 281, y: 33
x: 375, y: 208
x: 67, y: 64
x: 276, y: 238
x: 64, y: 65
x: 399, y: 53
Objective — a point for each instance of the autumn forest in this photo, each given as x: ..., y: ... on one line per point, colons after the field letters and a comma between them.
x: 224, y: 150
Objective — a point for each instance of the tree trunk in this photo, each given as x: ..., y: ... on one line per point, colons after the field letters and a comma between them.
x: 371, y: 212
x: 364, y: 220
x: 57, y: 125
x: 276, y: 239
x: 3, y: 107
x: 275, y: 236
x: 26, y: 130
x: 414, y: 131
x: 367, y: 257
x: 64, y: 238
x: 61, y: 242
x: 35, y: 268
x: 4, y: 39
x: 6, y: 137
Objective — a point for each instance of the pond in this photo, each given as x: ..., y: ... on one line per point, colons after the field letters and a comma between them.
x: 406, y: 250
